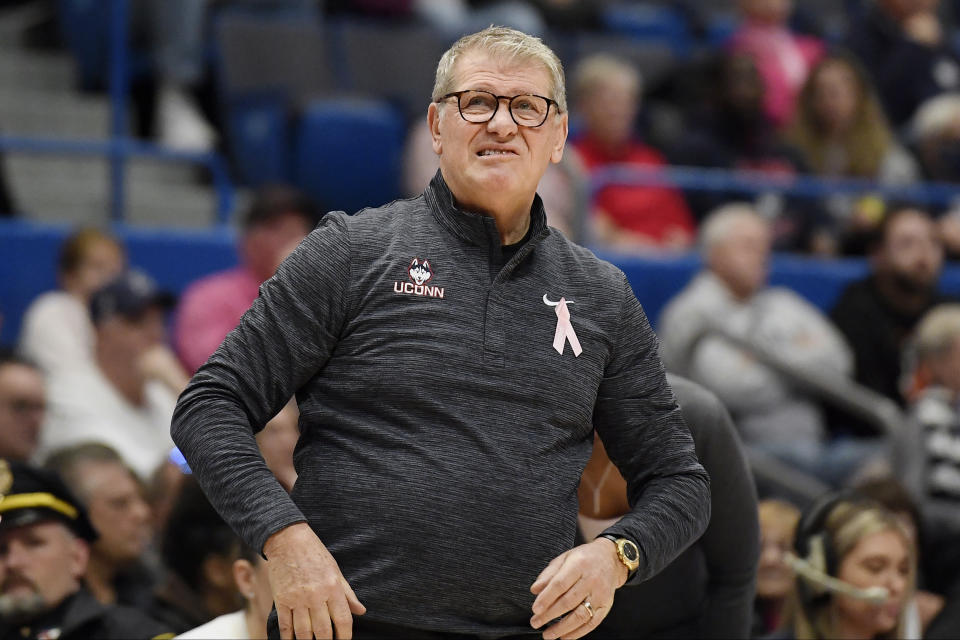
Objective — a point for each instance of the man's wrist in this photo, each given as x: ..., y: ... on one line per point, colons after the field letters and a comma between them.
x: 627, y: 555
x: 623, y: 573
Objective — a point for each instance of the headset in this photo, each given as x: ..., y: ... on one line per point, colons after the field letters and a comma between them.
x: 815, y: 559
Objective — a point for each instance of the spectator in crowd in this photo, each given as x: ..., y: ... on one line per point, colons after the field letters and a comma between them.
x: 117, y: 571
x: 935, y: 132
x: 57, y: 333
x: 198, y: 551
x: 607, y: 91
x: 927, y: 455
x: 863, y: 546
x: 878, y: 313
x: 253, y: 583
x: 907, y: 51
x: 925, y: 604
x: 778, y: 522
x: 707, y: 592
x: 841, y: 129
x: 728, y: 129
x: 277, y: 220
x: 22, y: 405
x: 731, y: 296
x: 45, y: 539
x: 126, y: 397
x: 783, y: 58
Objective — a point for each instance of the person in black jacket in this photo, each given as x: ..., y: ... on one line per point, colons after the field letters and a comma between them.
x: 44, y: 547
x: 707, y: 592
x: 907, y: 50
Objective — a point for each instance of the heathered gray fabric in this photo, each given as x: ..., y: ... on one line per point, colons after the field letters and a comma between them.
x: 442, y: 439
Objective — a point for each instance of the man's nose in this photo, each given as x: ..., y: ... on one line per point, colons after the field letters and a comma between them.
x: 502, y: 122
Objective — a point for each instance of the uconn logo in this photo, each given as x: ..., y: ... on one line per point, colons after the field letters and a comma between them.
x: 420, y: 273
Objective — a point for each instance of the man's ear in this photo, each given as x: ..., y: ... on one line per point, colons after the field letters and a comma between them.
x: 433, y: 121
x: 79, y: 556
x: 556, y: 154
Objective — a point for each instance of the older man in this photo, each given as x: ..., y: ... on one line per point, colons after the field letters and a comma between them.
x: 44, y: 548
x: 731, y: 296
x: 451, y: 356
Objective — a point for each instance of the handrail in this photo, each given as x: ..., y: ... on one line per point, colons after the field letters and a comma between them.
x: 834, y: 388
x: 120, y: 149
x: 751, y: 181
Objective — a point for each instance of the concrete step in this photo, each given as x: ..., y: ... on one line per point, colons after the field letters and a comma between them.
x: 37, y: 112
x: 76, y: 191
x: 20, y: 69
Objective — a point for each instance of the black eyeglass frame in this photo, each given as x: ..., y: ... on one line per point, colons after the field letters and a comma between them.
x: 510, y: 99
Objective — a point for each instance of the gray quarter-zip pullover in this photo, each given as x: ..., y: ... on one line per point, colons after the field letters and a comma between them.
x: 442, y: 434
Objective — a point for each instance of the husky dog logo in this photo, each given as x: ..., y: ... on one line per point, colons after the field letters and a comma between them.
x: 420, y: 272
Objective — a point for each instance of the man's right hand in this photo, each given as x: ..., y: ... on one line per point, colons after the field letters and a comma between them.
x: 308, y: 589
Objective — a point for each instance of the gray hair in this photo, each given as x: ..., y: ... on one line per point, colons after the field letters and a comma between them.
x: 505, y: 44
x: 937, y: 331
x: 596, y: 69
x: 720, y: 223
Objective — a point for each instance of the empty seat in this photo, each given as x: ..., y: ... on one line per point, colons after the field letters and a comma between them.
x: 396, y: 62
x: 348, y: 153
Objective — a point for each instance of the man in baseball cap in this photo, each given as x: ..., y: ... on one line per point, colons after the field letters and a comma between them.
x: 44, y: 547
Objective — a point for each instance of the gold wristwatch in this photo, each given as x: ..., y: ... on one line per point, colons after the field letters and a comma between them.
x: 627, y: 552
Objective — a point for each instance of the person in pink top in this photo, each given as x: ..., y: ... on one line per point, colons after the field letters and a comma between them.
x: 783, y: 58
x: 277, y: 220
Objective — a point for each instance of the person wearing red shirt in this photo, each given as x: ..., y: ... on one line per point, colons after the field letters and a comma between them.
x: 624, y: 217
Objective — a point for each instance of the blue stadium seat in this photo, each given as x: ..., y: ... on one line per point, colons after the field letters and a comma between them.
x: 649, y: 22
x: 348, y: 153
x: 266, y: 64
x: 258, y: 137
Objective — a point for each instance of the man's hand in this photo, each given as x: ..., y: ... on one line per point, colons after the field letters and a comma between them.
x: 589, y: 572
x: 308, y: 588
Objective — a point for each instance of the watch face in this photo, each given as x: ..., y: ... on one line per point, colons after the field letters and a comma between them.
x: 630, y: 551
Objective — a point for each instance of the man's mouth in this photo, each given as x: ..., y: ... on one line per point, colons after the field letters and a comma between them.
x: 495, y: 152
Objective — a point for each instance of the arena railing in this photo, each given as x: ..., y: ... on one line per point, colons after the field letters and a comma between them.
x: 120, y: 147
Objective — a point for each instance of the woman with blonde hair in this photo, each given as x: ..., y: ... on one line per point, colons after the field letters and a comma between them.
x: 841, y: 129
x: 855, y: 571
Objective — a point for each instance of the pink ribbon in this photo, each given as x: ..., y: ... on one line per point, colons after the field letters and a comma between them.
x: 565, y: 330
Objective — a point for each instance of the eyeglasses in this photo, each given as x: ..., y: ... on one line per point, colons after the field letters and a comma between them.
x: 527, y: 110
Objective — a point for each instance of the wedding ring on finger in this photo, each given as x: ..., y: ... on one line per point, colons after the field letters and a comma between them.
x: 589, y: 607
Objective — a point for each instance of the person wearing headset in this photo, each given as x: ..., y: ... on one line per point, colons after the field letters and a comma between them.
x: 855, y: 570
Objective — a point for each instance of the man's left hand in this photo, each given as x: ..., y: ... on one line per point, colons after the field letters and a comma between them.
x: 590, y: 572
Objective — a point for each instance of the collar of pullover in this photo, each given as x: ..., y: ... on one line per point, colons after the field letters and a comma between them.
x: 475, y: 228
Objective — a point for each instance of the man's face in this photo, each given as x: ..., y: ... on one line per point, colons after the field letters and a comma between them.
x: 741, y: 259
x: 117, y: 510
x: 506, y: 180
x: 610, y: 109
x: 911, y: 252
x: 22, y: 404
x: 102, y: 261
x: 128, y: 337
x: 41, y: 564
x: 266, y: 245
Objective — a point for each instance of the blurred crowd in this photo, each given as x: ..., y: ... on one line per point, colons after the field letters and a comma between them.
x: 863, y: 399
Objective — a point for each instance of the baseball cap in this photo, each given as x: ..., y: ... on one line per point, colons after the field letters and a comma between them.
x: 39, y: 495
x: 129, y: 294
